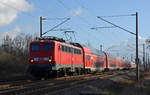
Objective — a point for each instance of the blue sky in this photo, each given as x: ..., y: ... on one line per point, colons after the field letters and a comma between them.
x: 83, y: 14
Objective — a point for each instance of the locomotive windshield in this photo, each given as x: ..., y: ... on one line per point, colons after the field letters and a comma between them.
x: 47, y: 47
x: 35, y: 47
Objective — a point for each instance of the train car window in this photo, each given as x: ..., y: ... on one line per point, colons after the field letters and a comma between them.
x: 63, y: 48
x: 70, y: 50
x: 67, y: 49
x: 112, y: 65
x: 75, y: 51
x: 35, y: 47
x: 47, y: 47
x: 88, y: 57
x: 79, y: 51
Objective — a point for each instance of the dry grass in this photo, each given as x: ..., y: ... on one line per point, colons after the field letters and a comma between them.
x: 11, y: 65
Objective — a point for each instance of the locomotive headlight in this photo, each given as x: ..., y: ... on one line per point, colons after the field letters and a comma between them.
x: 42, y: 40
x: 50, y: 60
x: 31, y: 60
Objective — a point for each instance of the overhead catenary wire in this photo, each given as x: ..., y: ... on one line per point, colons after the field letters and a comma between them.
x: 95, y: 28
x: 10, y: 6
x: 77, y: 2
x: 82, y: 19
x: 82, y: 6
x: 94, y: 15
x: 116, y: 25
x: 119, y: 15
x: 67, y: 8
x: 46, y: 11
x: 56, y: 18
x: 56, y: 26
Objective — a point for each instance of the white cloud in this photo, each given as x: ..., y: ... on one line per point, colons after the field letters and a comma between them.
x: 9, y: 10
x: 28, y: 27
x: 142, y: 38
x: 76, y: 12
x: 128, y: 47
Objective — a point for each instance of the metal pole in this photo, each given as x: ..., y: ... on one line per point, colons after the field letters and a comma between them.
x: 146, y: 61
x: 101, y: 47
x: 41, y: 26
x: 131, y: 57
x: 137, y: 58
x: 144, y: 57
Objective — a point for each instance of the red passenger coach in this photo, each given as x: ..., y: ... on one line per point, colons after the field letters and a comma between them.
x: 95, y: 60
x: 112, y: 62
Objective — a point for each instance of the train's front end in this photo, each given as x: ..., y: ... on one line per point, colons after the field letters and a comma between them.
x: 41, y: 58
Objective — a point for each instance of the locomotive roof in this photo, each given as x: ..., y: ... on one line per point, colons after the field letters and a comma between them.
x: 52, y: 38
x: 93, y: 51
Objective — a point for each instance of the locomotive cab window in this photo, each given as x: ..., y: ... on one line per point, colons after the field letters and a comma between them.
x: 47, y: 47
x: 35, y: 47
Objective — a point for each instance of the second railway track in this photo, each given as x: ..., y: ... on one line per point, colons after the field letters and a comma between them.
x: 43, y: 87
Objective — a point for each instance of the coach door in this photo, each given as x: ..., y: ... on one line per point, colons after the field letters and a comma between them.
x: 88, y: 61
x: 59, y: 53
x: 72, y: 58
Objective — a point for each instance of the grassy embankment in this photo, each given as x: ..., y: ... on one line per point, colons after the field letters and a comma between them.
x: 12, y: 65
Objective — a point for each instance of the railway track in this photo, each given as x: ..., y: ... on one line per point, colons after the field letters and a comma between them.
x: 43, y: 87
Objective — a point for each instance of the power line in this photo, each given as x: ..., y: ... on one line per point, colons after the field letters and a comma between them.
x: 60, y: 2
x: 119, y: 15
x: 82, y: 19
x: 82, y: 6
x: 56, y: 18
x: 92, y: 14
x: 67, y: 8
x: 95, y: 28
x: 56, y: 26
x: 116, y: 25
x: 16, y: 9
x: 46, y: 11
x: 103, y: 27
x: 76, y: 1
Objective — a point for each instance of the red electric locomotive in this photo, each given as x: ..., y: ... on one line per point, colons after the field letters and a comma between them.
x: 53, y: 56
